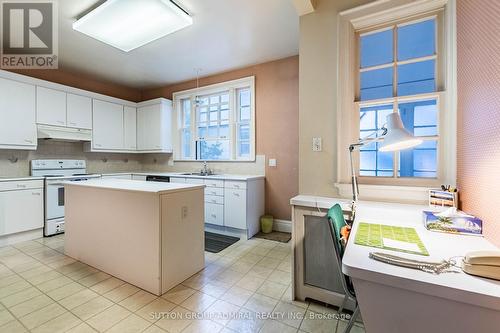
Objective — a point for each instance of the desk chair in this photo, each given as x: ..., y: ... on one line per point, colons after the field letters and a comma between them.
x: 336, y: 221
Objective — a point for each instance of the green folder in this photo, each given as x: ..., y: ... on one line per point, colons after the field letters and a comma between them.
x: 390, y: 237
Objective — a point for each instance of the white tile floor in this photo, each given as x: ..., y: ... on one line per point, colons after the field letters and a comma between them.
x: 245, y: 288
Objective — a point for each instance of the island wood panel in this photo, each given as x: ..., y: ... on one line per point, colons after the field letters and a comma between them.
x: 181, y: 215
x: 117, y: 232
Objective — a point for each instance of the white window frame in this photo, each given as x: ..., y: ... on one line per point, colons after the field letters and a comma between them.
x: 232, y: 87
x: 381, y: 14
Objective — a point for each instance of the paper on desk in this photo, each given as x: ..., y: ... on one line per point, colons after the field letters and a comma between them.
x: 395, y: 244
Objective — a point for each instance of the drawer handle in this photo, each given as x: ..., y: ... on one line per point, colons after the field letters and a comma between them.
x: 236, y: 186
x: 98, y: 145
x: 21, y: 186
x: 72, y: 124
x: 214, y: 216
x: 236, y: 194
x: 213, y: 193
x: 214, y: 201
x: 35, y: 193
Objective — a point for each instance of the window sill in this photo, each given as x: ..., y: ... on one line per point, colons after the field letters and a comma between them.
x: 390, y: 193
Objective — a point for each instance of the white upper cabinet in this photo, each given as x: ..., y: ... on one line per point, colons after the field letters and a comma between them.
x: 50, y: 107
x: 79, y: 111
x: 17, y: 115
x: 154, y: 126
x: 130, y: 128
x: 107, y: 132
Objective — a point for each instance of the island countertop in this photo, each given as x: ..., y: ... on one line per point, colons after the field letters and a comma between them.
x: 135, y: 185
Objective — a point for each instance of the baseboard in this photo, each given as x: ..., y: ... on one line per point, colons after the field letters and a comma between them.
x: 21, y: 237
x: 282, y: 225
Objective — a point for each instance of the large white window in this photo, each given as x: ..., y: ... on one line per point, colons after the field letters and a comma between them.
x: 217, y: 122
x: 398, y: 56
x: 398, y: 73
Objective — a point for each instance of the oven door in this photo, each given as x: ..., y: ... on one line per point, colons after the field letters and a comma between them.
x: 54, y: 200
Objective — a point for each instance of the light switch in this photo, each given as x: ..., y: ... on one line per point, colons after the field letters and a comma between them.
x: 317, y: 144
x: 273, y: 162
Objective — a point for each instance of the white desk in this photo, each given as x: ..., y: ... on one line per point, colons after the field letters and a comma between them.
x: 394, y: 299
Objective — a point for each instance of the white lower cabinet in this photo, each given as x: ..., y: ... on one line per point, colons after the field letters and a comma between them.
x: 21, y: 206
x: 214, y: 213
x: 235, y: 208
x: 177, y: 180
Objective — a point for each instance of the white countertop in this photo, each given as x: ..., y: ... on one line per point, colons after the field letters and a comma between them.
x: 459, y: 287
x: 15, y: 179
x: 135, y: 185
x: 182, y: 175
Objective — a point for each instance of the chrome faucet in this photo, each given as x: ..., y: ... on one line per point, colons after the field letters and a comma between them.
x: 206, y: 171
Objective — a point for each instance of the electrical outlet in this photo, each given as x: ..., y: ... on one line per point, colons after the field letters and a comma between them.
x: 317, y: 144
x: 273, y: 162
x: 184, y: 212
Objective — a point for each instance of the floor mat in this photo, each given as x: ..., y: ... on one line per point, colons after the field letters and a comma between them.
x: 278, y: 236
x: 215, y: 243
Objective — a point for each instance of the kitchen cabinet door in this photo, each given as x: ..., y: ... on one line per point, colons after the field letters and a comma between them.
x: 17, y: 115
x: 107, y: 126
x: 235, y: 208
x: 154, y: 126
x: 50, y: 107
x: 214, y: 214
x: 130, y: 128
x: 21, y: 211
x: 148, y: 125
x: 79, y: 111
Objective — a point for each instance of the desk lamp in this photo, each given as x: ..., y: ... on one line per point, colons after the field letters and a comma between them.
x: 394, y: 138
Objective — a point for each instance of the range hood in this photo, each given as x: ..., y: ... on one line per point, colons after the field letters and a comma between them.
x: 63, y: 133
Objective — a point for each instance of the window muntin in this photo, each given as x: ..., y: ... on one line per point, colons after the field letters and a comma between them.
x: 243, y: 97
x: 400, y: 85
x: 221, y: 122
x: 185, y: 127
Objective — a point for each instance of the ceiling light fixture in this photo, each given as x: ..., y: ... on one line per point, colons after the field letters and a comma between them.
x: 129, y: 24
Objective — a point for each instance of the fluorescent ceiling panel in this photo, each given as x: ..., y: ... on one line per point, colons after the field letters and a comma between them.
x: 129, y: 24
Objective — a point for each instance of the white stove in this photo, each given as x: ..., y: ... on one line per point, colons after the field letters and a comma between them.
x: 56, y: 173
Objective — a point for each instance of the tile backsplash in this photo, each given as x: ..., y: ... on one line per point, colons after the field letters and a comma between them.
x: 16, y: 163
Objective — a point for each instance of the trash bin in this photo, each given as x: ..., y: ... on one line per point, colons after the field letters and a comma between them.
x: 266, y: 224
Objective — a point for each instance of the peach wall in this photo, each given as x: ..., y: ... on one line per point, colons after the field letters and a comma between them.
x: 78, y: 80
x: 478, y: 46
x: 277, y: 108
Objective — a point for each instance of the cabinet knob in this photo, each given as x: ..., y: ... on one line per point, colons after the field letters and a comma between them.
x: 21, y: 186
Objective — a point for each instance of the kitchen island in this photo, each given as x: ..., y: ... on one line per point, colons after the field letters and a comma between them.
x: 148, y: 234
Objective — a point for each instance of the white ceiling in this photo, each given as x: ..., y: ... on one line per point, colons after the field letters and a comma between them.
x: 225, y: 35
